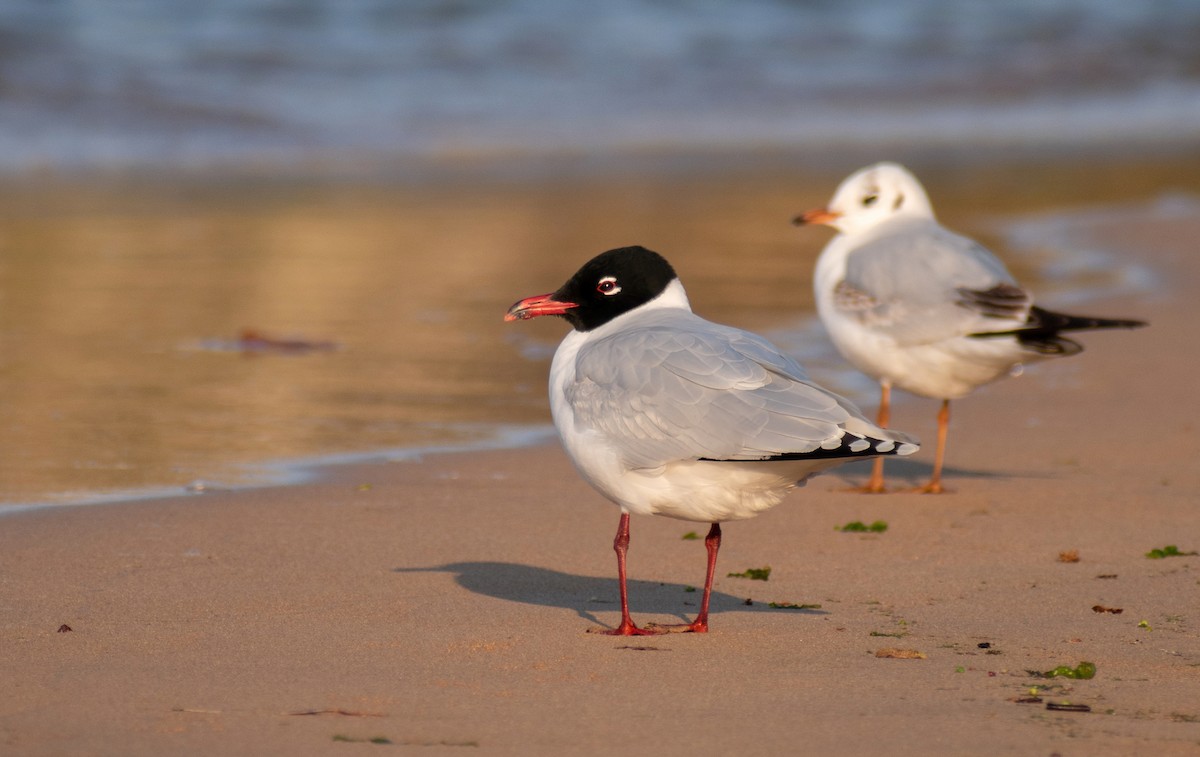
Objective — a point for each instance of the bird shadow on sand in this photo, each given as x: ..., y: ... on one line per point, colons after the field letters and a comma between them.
x: 587, y: 594
x: 915, y: 473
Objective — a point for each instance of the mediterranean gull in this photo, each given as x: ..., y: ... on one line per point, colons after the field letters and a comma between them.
x: 665, y: 413
x: 916, y: 306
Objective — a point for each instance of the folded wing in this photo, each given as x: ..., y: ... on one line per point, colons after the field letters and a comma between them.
x: 677, y: 387
x: 920, y: 283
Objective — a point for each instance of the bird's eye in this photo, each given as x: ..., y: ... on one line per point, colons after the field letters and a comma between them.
x: 608, y: 286
x: 870, y: 200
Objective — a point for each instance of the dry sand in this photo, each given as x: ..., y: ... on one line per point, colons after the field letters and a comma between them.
x: 444, y: 605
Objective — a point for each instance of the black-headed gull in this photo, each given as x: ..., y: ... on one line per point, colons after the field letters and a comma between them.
x: 916, y: 306
x: 665, y: 413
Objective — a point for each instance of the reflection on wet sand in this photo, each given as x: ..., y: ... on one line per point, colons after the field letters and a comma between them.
x: 115, y: 300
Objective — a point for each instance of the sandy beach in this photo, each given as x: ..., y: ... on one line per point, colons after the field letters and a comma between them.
x: 444, y: 604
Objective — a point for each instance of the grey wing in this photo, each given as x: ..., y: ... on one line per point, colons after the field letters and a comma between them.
x: 704, y: 391
x: 921, y: 283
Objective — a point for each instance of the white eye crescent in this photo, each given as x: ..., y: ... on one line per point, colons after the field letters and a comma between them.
x: 608, y: 286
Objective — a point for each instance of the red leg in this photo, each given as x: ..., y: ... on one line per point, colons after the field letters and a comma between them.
x: 712, y: 543
x: 621, y: 546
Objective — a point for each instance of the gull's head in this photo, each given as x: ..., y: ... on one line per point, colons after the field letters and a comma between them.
x: 609, y: 285
x: 870, y: 196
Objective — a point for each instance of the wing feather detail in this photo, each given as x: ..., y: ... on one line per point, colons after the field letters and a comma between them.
x: 919, y: 283
x: 676, y: 387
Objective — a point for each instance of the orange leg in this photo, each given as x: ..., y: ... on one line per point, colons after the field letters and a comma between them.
x: 935, y: 482
x: 874, y: 485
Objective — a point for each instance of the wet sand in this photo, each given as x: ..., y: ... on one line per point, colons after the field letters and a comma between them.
x: 445, y: 603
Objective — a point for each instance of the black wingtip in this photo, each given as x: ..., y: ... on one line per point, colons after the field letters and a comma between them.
x: 849, y: 446
x: 1052, y: 321
x: 1042, y: 330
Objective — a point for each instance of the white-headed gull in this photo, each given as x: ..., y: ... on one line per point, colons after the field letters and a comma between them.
x: 665, y: 413
x: 916, y: 306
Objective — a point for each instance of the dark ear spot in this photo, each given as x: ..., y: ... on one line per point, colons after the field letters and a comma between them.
x: 899, y: 201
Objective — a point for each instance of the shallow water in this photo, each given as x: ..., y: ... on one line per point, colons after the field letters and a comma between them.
x: 169, y: 184
x: 122, y: 307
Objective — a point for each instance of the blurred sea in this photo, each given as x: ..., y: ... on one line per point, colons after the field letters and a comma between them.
x: 169, y: 84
